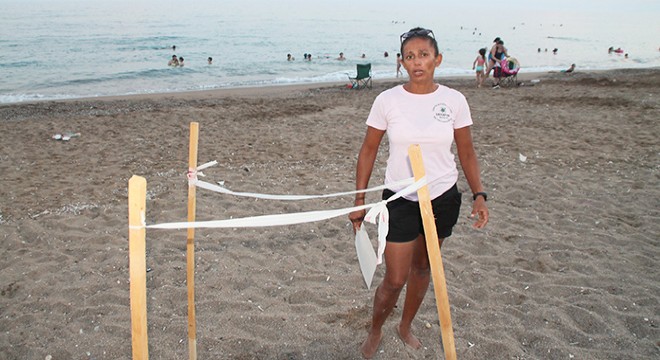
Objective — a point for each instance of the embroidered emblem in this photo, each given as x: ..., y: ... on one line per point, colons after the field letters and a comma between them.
x: 442, y: 112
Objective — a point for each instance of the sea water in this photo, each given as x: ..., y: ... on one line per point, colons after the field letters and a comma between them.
x: 60, y: 49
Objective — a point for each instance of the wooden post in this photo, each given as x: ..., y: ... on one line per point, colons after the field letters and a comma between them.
x: 190, y: 245
x: 435, y: 257
x: 137, y: 264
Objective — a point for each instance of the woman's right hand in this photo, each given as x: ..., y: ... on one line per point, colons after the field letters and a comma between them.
x: 357, y: 217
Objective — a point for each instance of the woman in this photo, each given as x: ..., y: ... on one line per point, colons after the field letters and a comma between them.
x: 418, y: 112
x: 491, y: 53
x: 499, y: 54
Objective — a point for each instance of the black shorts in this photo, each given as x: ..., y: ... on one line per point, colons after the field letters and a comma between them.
x: 497, y: 72
x: 406, y: 219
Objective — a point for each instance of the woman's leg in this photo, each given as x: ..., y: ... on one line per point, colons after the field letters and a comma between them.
x: 418, y: 284
x: 491, y: 63
x: 398, y: 259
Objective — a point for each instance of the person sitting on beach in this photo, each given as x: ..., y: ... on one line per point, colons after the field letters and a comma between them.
x: 174, y: 61
x: 341, y: 56
x: 420, y: 111
x: 181, y: 61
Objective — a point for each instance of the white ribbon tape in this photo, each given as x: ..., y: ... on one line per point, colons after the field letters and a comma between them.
x: 377, y: 214
x: 193, y: 180
x: 223, y: 190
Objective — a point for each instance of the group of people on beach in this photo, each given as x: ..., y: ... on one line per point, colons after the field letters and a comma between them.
x: 483, y: 64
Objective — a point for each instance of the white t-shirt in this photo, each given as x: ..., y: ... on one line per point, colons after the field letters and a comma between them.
x: 428, y: 120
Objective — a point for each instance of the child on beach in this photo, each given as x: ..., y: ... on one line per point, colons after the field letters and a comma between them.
x: 478, y: 65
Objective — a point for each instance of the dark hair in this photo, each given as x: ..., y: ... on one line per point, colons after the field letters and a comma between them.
x: 500, y: 42
x: 422, y: 33
x: 482, y: 52
x: 496, y: 39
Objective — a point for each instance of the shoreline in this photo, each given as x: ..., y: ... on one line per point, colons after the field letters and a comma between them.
x: 275, y: 90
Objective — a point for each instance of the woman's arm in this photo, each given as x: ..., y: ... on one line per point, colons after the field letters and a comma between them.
x: 365, y: 166
x: 470, y: 165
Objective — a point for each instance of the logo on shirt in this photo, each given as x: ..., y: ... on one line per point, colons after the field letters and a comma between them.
x: 442, y: 112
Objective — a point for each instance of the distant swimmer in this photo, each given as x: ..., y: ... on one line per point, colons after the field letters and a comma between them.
x: 180, y: 60
x: 341, y: 56
x: 289, y: 57
x: 174, y: 61
x: 209, y: 60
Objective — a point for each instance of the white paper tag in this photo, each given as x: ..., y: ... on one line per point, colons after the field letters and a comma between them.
x: 366, y: 255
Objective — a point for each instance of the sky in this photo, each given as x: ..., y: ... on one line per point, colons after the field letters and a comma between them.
x: 600, y: 6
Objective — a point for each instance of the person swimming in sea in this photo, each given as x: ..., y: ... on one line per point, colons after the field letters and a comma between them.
x: 174, y: 61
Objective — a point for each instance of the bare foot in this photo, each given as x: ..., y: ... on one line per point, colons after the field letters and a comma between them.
x: 408, y: 338
x: 370, y: 345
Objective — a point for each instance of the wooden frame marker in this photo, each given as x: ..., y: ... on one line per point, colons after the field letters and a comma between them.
x: 435, y: 257
x: 190, y: 244
x: 137, y: 264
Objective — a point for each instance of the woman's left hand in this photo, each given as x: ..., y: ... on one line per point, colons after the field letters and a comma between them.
x: 479, y: 209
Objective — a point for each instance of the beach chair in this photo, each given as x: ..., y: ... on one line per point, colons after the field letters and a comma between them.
x: 509, y: 73
x: 363, y: 78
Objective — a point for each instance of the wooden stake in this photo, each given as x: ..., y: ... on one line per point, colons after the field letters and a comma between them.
x: 190, y: 245
x: 137, y: 204
x: 435, y: 257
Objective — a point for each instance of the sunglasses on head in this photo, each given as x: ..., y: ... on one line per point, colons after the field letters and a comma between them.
x: 418, y: 32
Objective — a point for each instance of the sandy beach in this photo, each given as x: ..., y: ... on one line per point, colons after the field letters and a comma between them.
x: 566, y: 269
